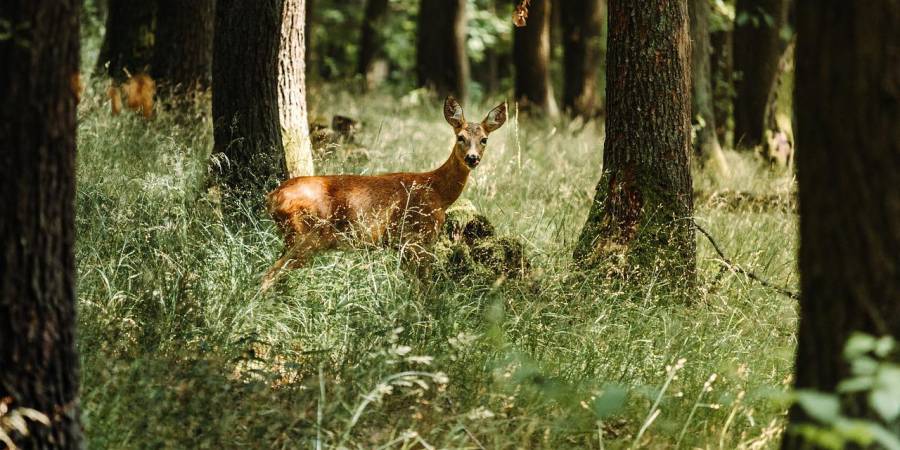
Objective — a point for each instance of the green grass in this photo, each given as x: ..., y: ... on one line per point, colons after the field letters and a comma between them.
x: 180, y: 350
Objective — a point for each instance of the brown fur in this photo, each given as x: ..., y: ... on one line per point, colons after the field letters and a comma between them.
x: 405, y: 210
x: 139, y: 91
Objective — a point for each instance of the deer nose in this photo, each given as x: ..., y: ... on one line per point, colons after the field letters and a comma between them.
x: 472, y: 160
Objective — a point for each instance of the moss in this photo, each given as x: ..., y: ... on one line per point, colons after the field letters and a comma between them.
x: 470, y: 246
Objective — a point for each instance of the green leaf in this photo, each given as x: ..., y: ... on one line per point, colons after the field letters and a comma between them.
x: 884, y: 437
x: 610, y: 402
x: 858, y: 345
x: 884, y: 346
x: 825, y: 408
x: 863, y: 365
x: 856, y: 384
x: 885, y: 397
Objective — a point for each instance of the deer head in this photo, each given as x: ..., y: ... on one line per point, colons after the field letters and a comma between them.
x: 472, y: 137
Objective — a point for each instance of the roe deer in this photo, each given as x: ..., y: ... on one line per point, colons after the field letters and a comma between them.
x: 318, y: 213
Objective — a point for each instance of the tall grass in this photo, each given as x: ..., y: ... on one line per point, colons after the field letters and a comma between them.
x: 180, y: 350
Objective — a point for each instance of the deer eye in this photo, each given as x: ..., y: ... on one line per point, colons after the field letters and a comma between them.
x: 461, y: 139
x: 483, y: 141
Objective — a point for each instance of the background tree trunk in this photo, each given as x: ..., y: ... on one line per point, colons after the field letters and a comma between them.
x: 184, y: 37
x: 848, y: 168
x: 644, y: 199
x: 757, y: 49
x: 248, y: 153
x: 707, y: 143
x: 128, y: 42
x: 722, y: 81
x: 292, y: 91
x: 39, y: 86
x: 531, y: 58
x: 371, y: 41
x: 441, y: 61
x: 582, y: 29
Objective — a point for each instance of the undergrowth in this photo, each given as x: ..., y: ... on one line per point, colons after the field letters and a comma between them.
x: 180, y: 350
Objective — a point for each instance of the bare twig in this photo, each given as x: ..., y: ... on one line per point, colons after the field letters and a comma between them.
x: 745, y: 272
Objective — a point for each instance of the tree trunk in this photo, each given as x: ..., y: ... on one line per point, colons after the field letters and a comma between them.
x: 582, y: 23
x: 441, y: 62
x: 848, y: 168
x: 128, y: 42
x: 248, y: 153
x: 706, y: 144
x: 643, y: 202
x: 722, y: 81
x: 292, y: 91
x: 184, y: 37
x: 757, y: 49
x: 371, y: 41
x: 39, y: 87
x: 531, y: 57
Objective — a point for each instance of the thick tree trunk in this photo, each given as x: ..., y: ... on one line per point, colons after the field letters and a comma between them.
x: 371, y: 41
x: 128, y: 42
x: 292, y: 91
x: 722, y: 81
x: 706, y: 144
x: 248, y: 153
x: 582, y: 29
x: 757, y: 49
x: 441, y: 62
x: 848, y: 165
x: 531, y: 58
x: 39, y: 86
x: 183, y: 52
x: 643, y: 201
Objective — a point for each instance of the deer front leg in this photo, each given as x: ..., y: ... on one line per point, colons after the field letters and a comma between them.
x: 295, y: 255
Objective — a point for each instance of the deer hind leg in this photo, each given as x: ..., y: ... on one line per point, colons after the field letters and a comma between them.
x: 295, y: 255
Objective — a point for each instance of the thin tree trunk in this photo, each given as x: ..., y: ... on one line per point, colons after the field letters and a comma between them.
x: 39, y: 86
x: 722, y: 81
x: 706, y: 145
x: 128, y: 41
x: 757, y: 49
x: 183, y: 52
x: 248, y: 152
x: 292, y: 91
x: 370, y: 41
x: 531, y: 57
x: 582, y: 23
x: 441, y: 62
x: 643, y: 202
x: 848, y: 167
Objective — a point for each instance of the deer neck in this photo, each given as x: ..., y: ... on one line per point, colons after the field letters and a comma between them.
x: 449, y: 180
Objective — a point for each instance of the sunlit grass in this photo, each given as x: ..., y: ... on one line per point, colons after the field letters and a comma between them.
x: 180, y: 350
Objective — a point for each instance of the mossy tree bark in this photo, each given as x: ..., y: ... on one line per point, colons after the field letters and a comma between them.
x: 757, y: 48
x: 531, y: 58
x: 848, y: 165
x: 582, y: 23
x: 182, y: 58
x: 441, y: 62
x: 39, y: 86
x: 248, y: 154
x: 643, y: 202
x: 706, y: 144
x: 292, y: 90
x: 128, y: 41
x: 371, y: 38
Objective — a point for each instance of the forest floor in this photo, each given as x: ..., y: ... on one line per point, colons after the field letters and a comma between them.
x: 180, y: 350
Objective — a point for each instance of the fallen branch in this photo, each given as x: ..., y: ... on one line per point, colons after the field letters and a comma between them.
x: 745, y: 272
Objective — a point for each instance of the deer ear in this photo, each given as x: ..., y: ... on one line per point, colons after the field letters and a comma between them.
x: 495, y: 119
x: 454, y: 113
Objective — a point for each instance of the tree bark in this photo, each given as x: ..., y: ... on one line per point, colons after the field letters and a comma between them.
x: 757, y: 49
x: 39, y: 86
x: 531, y: 58
x: 128, y: 41
x: 582, y: 30
x: 722, y: 81
x: 848, y: 167
x: 441, y: 62
x: 292, y: 91
x: 371, y: 41
x: 248, y: 153
x: 706, y: 144
x: 643, y: 202
x: 183, y: 52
